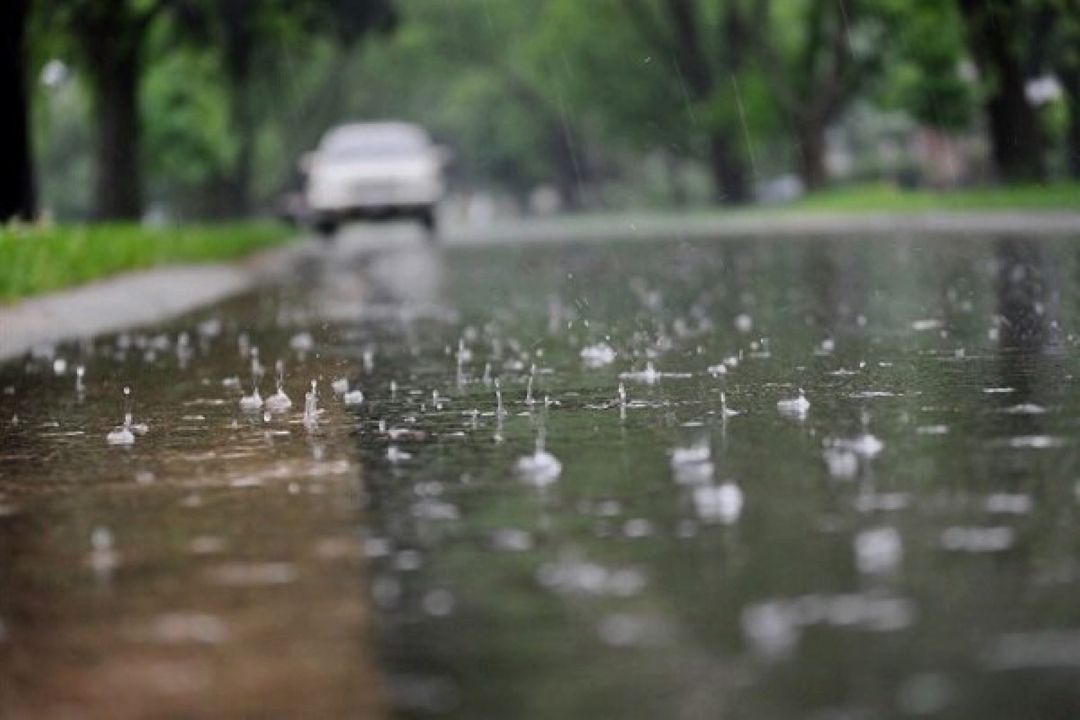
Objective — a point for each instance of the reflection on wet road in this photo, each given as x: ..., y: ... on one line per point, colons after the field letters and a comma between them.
x: 815, y: 478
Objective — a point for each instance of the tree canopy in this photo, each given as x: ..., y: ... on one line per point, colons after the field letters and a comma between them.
x: 202, y: 107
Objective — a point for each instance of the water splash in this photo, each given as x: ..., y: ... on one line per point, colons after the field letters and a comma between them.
x: 693, y: 454
x: 120, y: 435
x: 541, y: 468
x: 529, y: 388
x: 302, y: 342
x: 257, y: 369
x: 650, y: 375
x: 279, y: 402
x: 865, y: 445
x: 500, y: 411
x: 692, y: 465
x: 598, y: 355
x: 311, y: 405
x: 842, y: 464
x: 719, y: 503
x: 254, y: 401
x: 125, y: 434
x: 395, y: 455
x: 797, y: 408
x: 103, y: 555
x: 462, y: 356
x: 183, y: 350
x: 878, y: 550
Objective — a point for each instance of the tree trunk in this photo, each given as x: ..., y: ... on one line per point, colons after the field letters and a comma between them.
x: 239, y: 41
x: 239, y: 180
x: 568, y: 164
x: 1015, y: 135
x: 1016, y: 138
x: 1070, y: 78
x: 811, y: 139
x: 16, y: 169
x: 118, y: 178
x: 728, y: 171
x: 694, y: 60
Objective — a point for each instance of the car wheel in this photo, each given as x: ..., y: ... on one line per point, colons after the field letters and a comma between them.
x: 428, y: 220
x: 326, y: 228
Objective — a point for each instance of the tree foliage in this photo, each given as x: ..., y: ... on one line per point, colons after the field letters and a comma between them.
x: 205, y: 105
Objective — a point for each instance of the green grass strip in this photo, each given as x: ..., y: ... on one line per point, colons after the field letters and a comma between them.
x: 35, y: 260
x: 889, y: 198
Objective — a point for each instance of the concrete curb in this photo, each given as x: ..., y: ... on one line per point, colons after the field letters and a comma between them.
x: 132, y: 299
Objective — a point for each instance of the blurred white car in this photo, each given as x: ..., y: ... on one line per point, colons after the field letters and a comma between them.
x: 373, y: 171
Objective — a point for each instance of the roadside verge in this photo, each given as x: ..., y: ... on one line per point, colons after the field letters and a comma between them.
x: 131, y: 299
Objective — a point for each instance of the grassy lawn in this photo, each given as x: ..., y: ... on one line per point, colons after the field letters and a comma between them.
x: 888, y: 198
x: 35, y: 260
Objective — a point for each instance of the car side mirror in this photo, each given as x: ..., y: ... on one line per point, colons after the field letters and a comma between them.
x: 305, y: 162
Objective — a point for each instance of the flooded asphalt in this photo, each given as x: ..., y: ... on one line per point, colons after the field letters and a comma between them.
x: 840, y: 480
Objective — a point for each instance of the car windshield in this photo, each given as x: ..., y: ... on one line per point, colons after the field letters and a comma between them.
x: 347, y: 145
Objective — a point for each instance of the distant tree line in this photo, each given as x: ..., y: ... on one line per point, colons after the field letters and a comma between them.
x: 794, y: 67
x: 211, y: 100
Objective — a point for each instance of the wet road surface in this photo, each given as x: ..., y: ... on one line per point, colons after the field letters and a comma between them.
x: 582, y: 482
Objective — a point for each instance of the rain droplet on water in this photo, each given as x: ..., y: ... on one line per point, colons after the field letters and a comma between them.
x: 311, y: 405
x: 598, y: 355
x: 541, y: 468
x: 797, y: 407
x: 878, y: 550
x: 279, y: 402
x: 719, y: 503
x: 125, y: 434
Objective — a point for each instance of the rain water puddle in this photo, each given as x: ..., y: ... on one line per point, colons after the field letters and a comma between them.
x: 769, y: 479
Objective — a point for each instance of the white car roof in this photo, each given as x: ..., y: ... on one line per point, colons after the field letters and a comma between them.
x: 374, y: 134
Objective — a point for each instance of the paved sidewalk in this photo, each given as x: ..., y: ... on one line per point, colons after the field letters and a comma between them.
x: 131, y: 299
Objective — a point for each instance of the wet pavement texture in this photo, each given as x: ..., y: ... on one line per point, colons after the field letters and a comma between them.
x: 822, y: 478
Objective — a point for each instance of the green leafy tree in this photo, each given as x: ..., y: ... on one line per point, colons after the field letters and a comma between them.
x: 717, y: 78
x: 924, y: 68
x: 189, y: 142
x: 589, y: 57
x: 109, y: 39
x: 998, y: 35
x: 708, y: 45
x: 820, y: 57
x: 1063, y: 17
x: 471, y: 71
x: 251, y: 36
x: 112, y: 41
